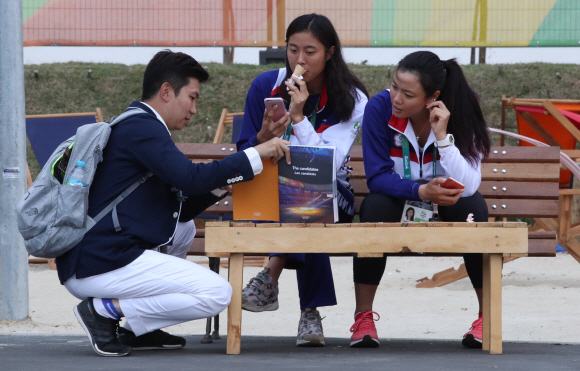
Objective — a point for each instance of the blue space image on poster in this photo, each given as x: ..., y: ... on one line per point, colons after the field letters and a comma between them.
x: 306, y: 186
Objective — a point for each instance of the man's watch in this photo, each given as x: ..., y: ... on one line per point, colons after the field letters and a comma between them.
x: 449, y: 140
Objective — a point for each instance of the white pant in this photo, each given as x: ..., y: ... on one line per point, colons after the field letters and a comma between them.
x: 158, y: 290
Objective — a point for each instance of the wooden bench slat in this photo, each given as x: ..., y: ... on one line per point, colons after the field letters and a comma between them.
x: 546, y: 207
x: 360, y: 186
x: 513, y: 154
x: 197, y: 247
x: 542, y: 247
x: 358, y: 170
x: 539, y: 235
x: 531, y: 190
x: 522, y: 208
x: 366, y: 240
x: 356, y: 154
x: 521, y: 172
x: 526, y: 171
x: 524, y: 154
x: 206, y: 150
x: 514, y: 207
x: 540, y: 243
x: 222, y: 207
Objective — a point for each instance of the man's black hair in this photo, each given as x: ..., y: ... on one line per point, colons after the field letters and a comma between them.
x: 173, y: 68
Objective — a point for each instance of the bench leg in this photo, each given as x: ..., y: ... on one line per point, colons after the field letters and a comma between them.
x: 236, y: 276
x: 214, y: 265
x: 492, y: 304
x: 208, y: 338
x: 485, y: 302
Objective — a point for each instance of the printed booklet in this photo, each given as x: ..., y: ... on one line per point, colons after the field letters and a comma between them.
x: 302, y: 192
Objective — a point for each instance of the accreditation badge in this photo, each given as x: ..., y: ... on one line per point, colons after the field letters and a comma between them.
x: 417, y: 212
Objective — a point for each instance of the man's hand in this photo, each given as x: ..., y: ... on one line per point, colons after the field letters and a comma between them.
x: 439, y: 195
x: 271, y: 129
x: 274, y: 149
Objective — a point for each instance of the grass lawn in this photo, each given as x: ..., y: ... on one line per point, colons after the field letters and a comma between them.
x: 66, y: 88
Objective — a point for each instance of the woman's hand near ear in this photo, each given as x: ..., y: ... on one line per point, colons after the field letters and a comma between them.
x: 439, y: 118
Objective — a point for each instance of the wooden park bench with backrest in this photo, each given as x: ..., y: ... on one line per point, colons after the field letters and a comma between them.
x: 557, y: 123
x: 517, y: 182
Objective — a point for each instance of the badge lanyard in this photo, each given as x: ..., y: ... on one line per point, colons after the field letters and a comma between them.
x: 407, y: 159
x: 312, y: 121
x: 407, y: 169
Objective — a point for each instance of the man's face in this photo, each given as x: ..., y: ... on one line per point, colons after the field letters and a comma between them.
x: 182, y: 106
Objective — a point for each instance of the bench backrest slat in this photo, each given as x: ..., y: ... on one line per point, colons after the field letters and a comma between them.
x: 525, y: 172
x: 532, y: 190
x: 522, y: 208
x: 206, y: 151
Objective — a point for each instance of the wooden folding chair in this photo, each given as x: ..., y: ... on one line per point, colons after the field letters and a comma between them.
x: 45, y: 133
x: 228, y: 118
x: 556, y: 122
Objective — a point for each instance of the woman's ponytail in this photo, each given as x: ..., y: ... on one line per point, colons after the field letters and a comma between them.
x: 466, y: 122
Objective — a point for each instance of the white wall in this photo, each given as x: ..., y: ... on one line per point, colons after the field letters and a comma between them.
x: 374, y: 56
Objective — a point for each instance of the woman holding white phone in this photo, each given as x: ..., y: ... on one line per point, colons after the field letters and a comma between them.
x: 325, y: 108
x: 427, y: 127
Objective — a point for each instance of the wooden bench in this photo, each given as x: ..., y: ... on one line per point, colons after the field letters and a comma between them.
x: 529, y: 176
x: 517, y: 182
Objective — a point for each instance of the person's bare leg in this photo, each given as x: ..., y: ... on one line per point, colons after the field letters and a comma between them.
x: 365, y: 296
x: 117, y: 306
x: 276, y: 265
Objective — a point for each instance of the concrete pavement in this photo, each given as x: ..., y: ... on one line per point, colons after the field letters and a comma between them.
x: 63, y: 353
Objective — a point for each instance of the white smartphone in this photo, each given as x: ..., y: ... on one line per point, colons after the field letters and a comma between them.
x: 279, y: 112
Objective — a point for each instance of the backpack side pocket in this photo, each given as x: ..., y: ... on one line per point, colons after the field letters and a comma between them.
x: 72, y: 203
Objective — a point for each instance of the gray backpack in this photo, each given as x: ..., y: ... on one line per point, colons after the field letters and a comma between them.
x: 52, y: 217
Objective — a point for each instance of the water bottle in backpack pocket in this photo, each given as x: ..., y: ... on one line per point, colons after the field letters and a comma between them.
x: 77, y: 177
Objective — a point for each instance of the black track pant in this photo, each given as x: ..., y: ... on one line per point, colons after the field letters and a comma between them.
x: 378, y: 207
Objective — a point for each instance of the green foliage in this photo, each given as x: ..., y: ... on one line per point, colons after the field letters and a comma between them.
x: 66, y: 88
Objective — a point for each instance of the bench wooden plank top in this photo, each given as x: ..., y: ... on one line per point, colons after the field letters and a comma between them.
x: 510, y: 238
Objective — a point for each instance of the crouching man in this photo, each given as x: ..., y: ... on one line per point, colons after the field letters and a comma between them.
x: 120, y: 273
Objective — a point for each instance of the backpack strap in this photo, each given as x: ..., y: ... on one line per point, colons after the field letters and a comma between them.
x: 113, y: 205
x: 121, y: 197
x: 128, y: 113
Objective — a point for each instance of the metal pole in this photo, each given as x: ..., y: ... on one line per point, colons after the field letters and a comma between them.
x: 13, y: 256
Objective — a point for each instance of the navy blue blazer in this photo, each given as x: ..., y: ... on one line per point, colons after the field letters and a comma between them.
x: 149, y: 215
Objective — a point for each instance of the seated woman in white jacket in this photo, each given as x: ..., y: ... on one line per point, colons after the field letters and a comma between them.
x: 325, y: 108
x: 427, y: 127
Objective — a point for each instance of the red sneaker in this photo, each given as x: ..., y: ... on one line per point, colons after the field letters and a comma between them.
x: 473, y: 338
x: 364, y: 332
